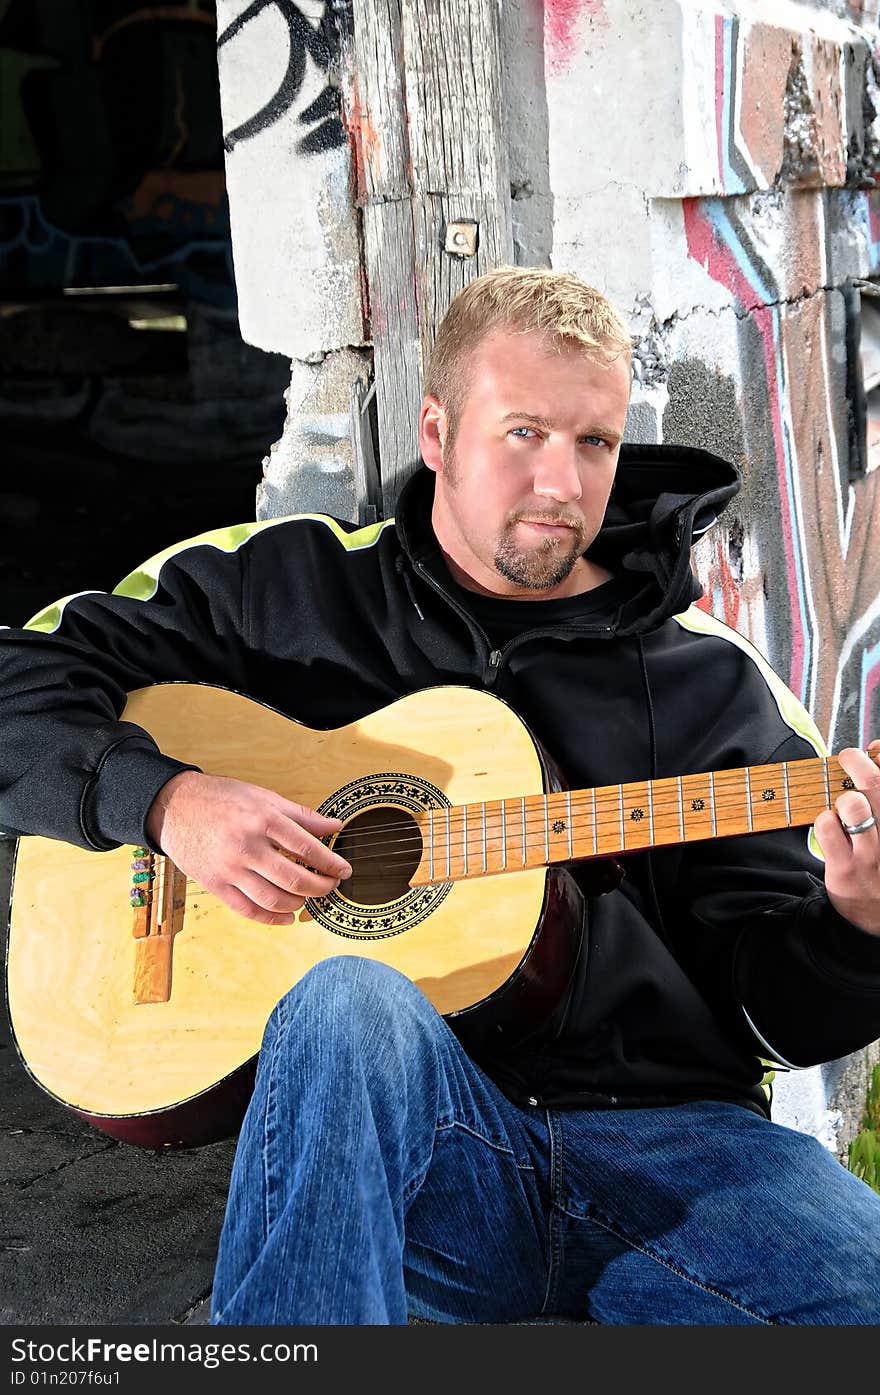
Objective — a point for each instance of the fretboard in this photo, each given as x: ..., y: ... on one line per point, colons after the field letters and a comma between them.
x: 509, y: 835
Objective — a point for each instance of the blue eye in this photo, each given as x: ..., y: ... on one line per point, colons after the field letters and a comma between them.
x: 522, y: 428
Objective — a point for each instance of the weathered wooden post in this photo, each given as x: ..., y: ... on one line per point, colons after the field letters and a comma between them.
x: 433, y: 187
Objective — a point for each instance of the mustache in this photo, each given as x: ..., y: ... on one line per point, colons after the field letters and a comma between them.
x: 556, y: 520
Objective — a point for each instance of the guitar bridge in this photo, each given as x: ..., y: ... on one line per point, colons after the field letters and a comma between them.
x: 158, y: 903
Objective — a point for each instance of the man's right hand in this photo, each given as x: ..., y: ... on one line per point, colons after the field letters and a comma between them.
x: 232, y: 838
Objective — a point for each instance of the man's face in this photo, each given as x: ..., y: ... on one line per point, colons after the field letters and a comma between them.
x: 523, y: 490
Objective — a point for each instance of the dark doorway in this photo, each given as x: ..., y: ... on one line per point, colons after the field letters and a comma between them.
x: 132, y: 413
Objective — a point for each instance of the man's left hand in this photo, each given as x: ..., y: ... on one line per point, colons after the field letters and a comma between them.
x: 852, y: 860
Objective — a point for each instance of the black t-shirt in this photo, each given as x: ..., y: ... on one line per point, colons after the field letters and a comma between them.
x: 504, y: 619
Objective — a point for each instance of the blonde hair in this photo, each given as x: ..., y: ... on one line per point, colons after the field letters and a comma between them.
x: 521, y: 299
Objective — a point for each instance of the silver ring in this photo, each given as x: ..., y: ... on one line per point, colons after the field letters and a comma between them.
x: 860, y: 827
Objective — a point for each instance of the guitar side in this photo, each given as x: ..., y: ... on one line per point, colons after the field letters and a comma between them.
x: 180, y: 1071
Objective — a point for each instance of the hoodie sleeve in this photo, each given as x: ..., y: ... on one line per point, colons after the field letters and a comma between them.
x: 69, y: 768
x: 790, y: 976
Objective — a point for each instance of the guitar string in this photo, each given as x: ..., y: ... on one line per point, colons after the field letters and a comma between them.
x: 607, y: 809
x: 579, y: 798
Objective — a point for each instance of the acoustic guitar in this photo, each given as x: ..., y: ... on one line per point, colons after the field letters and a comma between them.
x: 138, y: 1000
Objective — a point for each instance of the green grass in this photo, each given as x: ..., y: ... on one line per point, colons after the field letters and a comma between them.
x: 864, y: 1152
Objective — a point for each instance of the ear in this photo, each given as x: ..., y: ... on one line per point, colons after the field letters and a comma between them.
x: 433, y: 427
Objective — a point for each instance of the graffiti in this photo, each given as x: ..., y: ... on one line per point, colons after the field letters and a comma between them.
x: 810, y: 523
x: 35, y: 253
x: 561, y: 21
x: 112, y: 160
x: 322, y: 44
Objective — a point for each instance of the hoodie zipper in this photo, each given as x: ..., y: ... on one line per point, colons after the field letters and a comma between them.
x: 495, y: 658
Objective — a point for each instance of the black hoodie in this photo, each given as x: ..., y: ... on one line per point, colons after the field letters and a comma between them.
x: 709, y: 960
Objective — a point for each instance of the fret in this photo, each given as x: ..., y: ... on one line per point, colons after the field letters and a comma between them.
x: 620, y: 806
x: 730, y: 804
x: 558, y: 842
x: 464, y: 836
x: 546, y: 831
x: 747, y: 774
x: 766, y: 799
x: 807, y: 791
x: 698, y: 807
x: 607, y: 826
x: 636, y: 833
x: 680, y: 809
x: 483, y: 830
x: 431, y: 844
x: 504, y: 835
x: 787, y: 793
x: 712, y: 802
x: 827, y: 784
x: 593, y: 810
x: 522, y: 811
x: 665, y: 811
x: 448, y: 846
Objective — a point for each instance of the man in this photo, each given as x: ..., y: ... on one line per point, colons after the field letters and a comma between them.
x: 617, y: 1160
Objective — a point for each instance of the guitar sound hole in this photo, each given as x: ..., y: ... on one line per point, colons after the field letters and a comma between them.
x: 384, y: 847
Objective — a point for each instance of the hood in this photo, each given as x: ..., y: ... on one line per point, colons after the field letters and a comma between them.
x: 664, y: 498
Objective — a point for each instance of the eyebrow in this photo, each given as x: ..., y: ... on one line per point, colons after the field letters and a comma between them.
x: 543, y: 421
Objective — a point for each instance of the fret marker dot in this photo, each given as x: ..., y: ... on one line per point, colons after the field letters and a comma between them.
x: 697, y: 805
x: 768, y: 795
x: 637, y: 815
x: 558, y: 826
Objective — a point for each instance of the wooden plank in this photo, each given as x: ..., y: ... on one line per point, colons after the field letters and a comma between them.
x: 458, y: 146
x: 384, y: 189
x: 397, y: 366
x: 426, y: 107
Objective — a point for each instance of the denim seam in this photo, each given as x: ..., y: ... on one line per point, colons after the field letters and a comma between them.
x: 554, y: 1230
x: 418, y: 1180
x: 674, y: 1268
x: 270, y: 1118
x: 495, y: 1145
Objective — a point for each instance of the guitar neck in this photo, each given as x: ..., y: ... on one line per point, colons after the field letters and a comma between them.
x: 508, y: 835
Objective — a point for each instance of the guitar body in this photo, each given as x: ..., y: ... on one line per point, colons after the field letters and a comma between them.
x: 492, y: 954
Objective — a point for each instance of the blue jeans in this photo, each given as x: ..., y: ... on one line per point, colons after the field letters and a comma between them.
x: 380, y: 1173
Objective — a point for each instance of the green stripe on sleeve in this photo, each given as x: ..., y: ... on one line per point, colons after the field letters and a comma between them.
x: 792, y: 711
x: 143, y: 583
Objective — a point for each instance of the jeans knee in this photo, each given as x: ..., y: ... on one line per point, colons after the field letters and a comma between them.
x: 354, y: 992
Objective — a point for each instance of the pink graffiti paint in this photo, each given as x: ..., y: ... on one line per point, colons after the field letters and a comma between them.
x: 718, y: 261
x: 560, y: 27
x: 722, y: 579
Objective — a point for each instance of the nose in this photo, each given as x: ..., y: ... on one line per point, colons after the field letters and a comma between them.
x: 557, y: 475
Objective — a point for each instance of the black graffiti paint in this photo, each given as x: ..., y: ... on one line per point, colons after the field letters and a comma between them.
x: 321, y: 44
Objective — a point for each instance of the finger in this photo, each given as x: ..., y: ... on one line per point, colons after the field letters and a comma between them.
x: 268, y: 897
x: 863, y: 848
x: 299, y: 843
x: 301, y: 814
x: 864, y: 774
x: 237, y: 901
x: 281, y: 871
x: 833, y: 840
